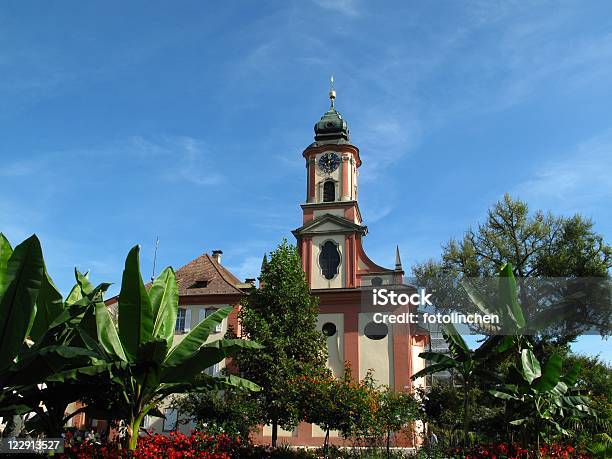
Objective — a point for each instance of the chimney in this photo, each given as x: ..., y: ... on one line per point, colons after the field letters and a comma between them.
x: 216, y: 254
x: 250, y: 280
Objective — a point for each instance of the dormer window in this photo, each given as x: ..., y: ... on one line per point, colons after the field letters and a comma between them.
x: 329, y: 191
x: 200, y: 284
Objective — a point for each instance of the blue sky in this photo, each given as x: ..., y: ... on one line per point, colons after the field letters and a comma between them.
x: 124, y: 121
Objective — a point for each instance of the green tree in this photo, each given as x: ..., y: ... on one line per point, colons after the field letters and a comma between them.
x: 537, y: 245
x: 395, y: 411
x: 341, y: 404
x: 232, y: 411
x: 281, y: 315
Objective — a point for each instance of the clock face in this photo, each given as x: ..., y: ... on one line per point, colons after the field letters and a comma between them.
x: 329, y: 162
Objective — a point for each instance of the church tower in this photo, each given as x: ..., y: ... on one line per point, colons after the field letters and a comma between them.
x: 330, y: 238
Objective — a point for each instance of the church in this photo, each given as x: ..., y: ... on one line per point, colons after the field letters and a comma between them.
x: 330, y: 242
x: 339, y: 272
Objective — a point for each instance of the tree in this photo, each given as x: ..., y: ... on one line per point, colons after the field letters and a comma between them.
x: 537, y: 245
x: 281, y: 315
x: 341, y: 404
x: 145, y: 366
x: 395, y: 411
x: 232, y: 411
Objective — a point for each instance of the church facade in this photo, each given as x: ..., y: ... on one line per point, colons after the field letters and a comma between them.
x: 340, y: 274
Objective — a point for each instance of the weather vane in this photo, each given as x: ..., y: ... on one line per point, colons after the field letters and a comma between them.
x: 332, y: 92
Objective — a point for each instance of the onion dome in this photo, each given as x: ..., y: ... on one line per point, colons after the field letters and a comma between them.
x: 331, y: 127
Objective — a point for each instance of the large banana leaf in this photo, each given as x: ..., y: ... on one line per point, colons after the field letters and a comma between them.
x: 49, y: 306
x: 508, y: 296
x: 164, y: 303
x: 431, y: 369
x: 149, y: 358
x: 5, y: 253
x: 550, y: 374
x: 437, y: 358
x: 198, y: 336
x: 530, y: 366
x: 22, y: 280
x: 76, y: 293
x: 456, y: 344
x: 204, y: 358
x: 107, y: 334
x: 135, y: 312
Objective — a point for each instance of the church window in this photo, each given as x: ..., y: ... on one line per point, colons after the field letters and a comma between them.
x: 376, y: 331
x: 329, y: 259
x: 329, y: 191
x: 328, y: 329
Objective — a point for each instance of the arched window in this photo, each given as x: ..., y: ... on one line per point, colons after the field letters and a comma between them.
x: 329, y: 259
x: 329, y: 191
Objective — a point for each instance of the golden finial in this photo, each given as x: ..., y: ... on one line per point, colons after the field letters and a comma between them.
x: 332, y: 92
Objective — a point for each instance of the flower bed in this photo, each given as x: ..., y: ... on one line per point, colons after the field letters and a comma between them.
x: 198, y: 445
x: 516, y: 451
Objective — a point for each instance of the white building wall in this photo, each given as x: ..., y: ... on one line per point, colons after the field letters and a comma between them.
x: 376, y: 355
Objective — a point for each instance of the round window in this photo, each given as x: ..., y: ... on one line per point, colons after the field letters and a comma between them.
x: 376, y: 331
x: 329, y: 329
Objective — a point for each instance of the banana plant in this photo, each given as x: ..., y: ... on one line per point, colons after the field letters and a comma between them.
x: 474, y: 364
x: 38, y: 337
x: 543, y: 395
x: 59, y: 358
x: 146, y: 366
x: 470, y: 364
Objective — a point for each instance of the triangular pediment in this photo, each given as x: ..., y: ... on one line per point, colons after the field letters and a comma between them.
x: 330, y: 224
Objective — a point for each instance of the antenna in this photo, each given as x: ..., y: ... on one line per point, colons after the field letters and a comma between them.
x: 155, y: 258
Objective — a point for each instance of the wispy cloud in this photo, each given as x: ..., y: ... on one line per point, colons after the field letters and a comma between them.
x: 186, y: 159
x: 22, y: 168
x: 346, y: 7
x: 576, y: 180
x: 170, y: 158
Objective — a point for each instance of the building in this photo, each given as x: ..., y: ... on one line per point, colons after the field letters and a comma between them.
x: 338, y: 270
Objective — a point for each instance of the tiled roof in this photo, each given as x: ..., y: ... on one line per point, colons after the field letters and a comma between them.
x: 204, y: 276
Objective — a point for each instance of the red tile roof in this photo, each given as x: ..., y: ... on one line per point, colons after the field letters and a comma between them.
x: 204, y: 276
